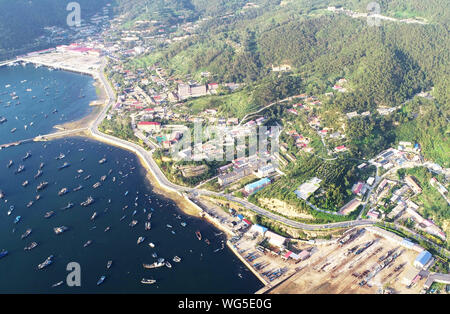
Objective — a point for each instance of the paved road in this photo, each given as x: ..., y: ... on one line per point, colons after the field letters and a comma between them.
x: 162, y: 180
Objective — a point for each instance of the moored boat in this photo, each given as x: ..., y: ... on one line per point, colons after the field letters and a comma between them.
x: 31, y: 246
x: 3, y: 253
x: 198, y: 234
x: 101, y: 280
x: 147, y: 281
x: 140, y: 240
x: 49, y: 214
x: 63, y: 191
x: 46, y: 263
x: 59, y: 230
x: 26, y: 234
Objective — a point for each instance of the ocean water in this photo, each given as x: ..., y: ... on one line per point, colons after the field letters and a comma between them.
x: 56, y: 97
x: 204, y: 268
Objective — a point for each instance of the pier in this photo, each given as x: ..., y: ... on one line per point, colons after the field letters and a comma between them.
x: 45, y: 137
x: 7, y: 62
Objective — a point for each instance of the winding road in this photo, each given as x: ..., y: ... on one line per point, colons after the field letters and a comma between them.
x: 147, y: 156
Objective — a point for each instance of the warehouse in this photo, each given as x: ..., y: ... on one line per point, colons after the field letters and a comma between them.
x: 275, y: 239
x: 422, y: 259
x: 256, y: 186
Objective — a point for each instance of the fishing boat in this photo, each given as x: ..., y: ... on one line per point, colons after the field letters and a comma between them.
x: 63, y: 191
x: 169, y: 226
x: 80, y: 171
x: 59, y: 283
x: 103, y: 178
x: 207, y: 241
x: 3, y: 120
x: 46, y: 263
x: 30, y: 203
x: 96, y: 185
x: 17, y: 219
x: 101, y: 280
x: 59, y: 230
x: 94, y: 215
x: 148, y: 225
x: 87, y: 177
x: 10, y: 164
x: 61, y: 156
x: 154, y: 255
x: 168, y: 265
x: 151, y: 244
x: 102, y: 161
x: 26, y: 234
x: 133, y: 223
x: 126, y: 193
x: 199, y: 235
x: 153, y: 265
x: 89, y: 242
x: 20, y: 169
x: 88, y: 202
x: 30, y: 247
x: 78, y: 188
x: 147, y: 281
x: 13, y: 130
x: 38, y: 174
x: 69, y: 205
x: 123, y: 217
x: 65, y: 165
x: 49, y: 214
x: 149, y: 216
x: 42, y: 186
x: 2, y: 195
x: 140, y: 240
x: 108, y: 266
x: 183, y: 224
x: 38, y: 197
x: 107, y: 229
x: 25, y: 183
x: 28, y: 155
x: 41, y: 165
x: 176, y: 259
x: 11, y: 208
x: 3, y: 253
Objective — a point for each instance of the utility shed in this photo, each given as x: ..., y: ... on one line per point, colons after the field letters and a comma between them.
x: 422, y: 259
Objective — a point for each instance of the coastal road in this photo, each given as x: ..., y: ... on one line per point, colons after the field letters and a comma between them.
x: 147, y: 156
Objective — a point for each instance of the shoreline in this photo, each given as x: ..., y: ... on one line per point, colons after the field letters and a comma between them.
x: 183, y: 203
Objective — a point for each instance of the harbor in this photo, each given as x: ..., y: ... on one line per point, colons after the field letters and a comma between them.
x: 58, y: 161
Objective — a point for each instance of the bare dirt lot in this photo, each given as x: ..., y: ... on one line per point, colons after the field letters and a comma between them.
x: 331, y: 269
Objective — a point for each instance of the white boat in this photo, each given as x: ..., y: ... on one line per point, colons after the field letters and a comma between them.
x: 151, y: 244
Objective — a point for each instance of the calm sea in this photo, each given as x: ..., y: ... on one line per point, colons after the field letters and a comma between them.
x: 123, y: 196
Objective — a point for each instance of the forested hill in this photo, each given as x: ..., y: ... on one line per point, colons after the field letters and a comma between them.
x: 386, y: 64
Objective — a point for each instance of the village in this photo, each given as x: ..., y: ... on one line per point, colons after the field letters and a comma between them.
x: 154, y: 106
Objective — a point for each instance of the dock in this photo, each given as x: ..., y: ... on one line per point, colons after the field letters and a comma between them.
x: 46, y: 137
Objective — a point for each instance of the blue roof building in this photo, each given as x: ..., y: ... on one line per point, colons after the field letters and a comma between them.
x: 422, y: 259
x: 256, y: 186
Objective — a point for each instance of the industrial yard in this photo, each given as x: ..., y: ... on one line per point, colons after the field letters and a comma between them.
x: 362, y: 262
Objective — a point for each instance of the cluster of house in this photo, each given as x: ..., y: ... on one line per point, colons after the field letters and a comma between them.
x: 339, y: 86
x: 394, y: 157
x: 243, y: 167
x: 307, y: 104
x: 300, y: 141
x: 189, y: 90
